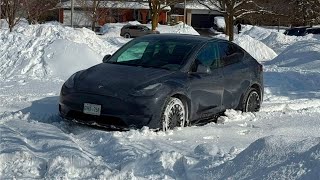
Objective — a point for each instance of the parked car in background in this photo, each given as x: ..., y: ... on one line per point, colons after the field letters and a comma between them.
x: 302, y: 31
x: 164, y: 81
x: 297, y: 31
x: 132, y: 31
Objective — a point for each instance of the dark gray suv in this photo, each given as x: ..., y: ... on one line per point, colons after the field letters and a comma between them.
x: 163, y: 81
x: 132, y: 31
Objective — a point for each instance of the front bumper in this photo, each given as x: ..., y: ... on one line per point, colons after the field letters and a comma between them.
x: 116, y: 112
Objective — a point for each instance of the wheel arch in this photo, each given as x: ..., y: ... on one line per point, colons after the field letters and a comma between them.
x: 186, y: 101
x: 255, y: 86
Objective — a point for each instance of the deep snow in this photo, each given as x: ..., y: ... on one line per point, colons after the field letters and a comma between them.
x: 280, y: 142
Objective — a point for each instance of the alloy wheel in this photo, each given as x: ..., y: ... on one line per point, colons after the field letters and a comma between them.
x: 253, y: 102
x: 174, y: 114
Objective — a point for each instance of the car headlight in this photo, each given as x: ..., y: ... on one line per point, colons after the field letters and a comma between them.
x: 148, y: 91
x: 70, y: 82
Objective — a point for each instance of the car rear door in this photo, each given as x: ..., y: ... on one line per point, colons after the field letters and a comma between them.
x: 236, y: 74
x: 142, y: 30
x: 206, y: 82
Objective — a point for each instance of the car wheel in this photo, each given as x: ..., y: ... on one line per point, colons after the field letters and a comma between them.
x: 127, y: 35
x: 251, y: 101
x: 174, y: 114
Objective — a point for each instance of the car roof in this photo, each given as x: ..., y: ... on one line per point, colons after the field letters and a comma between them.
x: 195, y: 38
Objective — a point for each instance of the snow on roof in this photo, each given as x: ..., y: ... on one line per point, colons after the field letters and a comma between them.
x: 110, y: 4
x: 195, y: 5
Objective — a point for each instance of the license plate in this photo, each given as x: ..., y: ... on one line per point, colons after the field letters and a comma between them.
x: 92, y: 109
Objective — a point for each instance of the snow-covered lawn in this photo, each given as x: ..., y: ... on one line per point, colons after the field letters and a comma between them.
x: 280, y: 142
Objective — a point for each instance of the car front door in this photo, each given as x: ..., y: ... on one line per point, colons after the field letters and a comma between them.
x: 206, y: 82
x: 236, y: 74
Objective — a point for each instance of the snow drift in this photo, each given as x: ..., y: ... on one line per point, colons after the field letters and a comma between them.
x: 28, y: 51
x: 274, y: 39
x: 259, y: 50
x: 303, y: 55
x: 274, y: 157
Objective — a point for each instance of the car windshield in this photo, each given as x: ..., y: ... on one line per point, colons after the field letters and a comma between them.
x: 167, y: 54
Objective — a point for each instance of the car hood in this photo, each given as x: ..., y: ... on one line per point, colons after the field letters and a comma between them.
x: 113, y: 79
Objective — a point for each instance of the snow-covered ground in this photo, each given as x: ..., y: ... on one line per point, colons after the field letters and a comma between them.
x: 280, y: 142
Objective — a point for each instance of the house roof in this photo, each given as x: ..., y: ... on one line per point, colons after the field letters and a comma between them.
x: 109, y: 4
x: 195, y: 5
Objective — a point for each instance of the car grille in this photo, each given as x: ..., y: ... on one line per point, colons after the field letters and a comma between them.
x: 100, y: 120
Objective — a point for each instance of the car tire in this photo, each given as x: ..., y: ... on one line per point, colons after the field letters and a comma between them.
x: 174, y: 114
x: 251, y: 101
x: 127, y: 35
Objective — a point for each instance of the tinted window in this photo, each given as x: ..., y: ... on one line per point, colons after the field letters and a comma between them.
x: 230, y: 53
x: 209, y: 55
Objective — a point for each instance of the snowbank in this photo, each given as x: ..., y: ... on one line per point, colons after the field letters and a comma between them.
x: 303, y: 55
x: 255, y: 48
x: 274, y: 157
x: 274, y: 39
x: 178, y: 29
x: 28, y: 51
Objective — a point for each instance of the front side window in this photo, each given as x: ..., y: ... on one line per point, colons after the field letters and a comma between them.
x: 167, y: 54
x: 209, y: 56
x: 134, y: 52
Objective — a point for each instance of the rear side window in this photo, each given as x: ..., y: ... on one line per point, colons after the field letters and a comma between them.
x: 230, y: 53
x: 133, y: 27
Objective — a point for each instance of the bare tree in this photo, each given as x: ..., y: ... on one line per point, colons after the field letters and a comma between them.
x: 10, y: 12
x: 36, y: 8
x: 231, y: 10
x: 305, y: 12
x: 91, y: 9
x: 156, y: 6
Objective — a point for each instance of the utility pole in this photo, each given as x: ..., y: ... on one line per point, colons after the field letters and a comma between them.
x: 72, y: 11
x: 185, y: 14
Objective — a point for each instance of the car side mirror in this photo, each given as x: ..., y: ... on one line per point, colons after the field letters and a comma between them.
x: 106, y: 58
x: 203, y: 69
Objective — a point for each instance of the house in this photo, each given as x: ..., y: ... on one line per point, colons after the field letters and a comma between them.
x: 198, y: 15
x: 109, y: 11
